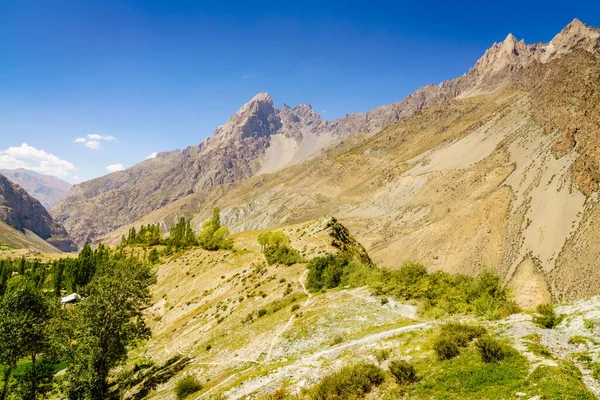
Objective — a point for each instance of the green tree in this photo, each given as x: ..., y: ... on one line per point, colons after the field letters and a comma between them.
x: 214, y: 236
x: 107, y: 323
x: 24, y: 319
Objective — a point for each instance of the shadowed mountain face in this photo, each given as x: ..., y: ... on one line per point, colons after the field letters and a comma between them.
x: 24, y: 213
x: 260, y: 139
x: 46, y: 188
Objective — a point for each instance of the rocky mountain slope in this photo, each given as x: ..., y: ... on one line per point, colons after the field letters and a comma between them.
x: 505, y: 176
x: 46, y: 188
x: 23, y: 213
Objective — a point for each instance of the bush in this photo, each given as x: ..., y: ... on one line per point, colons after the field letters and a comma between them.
x: 382, y: 354
x: 186, y: 386
x: 491, y: 349
x: 453, y: 336
x: 546, y: 317
x: 403, y: 371
x: 445, y: 348
x: 295, y: 307
x: 326, y: 272
x: 262, y: 312
x: 348, y: 383
x: 275, y: 246
x: 282, y: 255
x: 461, y: 334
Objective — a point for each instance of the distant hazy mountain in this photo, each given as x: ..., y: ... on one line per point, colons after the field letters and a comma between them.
x: 22, y: 212
x: 46, y: 188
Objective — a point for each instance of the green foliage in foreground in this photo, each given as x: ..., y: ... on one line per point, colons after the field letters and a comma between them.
x: 439, y: 293
x: 351, y: 382
x: 492, y: 349
x: 404, y: 372
x: 453, y: 336
x: 187, y: 385
x: 469, y: 377
x: 546, y: 317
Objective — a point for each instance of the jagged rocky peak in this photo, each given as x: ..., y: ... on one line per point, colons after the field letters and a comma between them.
x: 257, y: 118
x: 508, y: 53
x: 512, y: 53
x: 573, y: 36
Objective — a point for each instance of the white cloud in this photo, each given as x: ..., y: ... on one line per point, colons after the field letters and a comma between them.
x: 94, y: 136
x: 92, y: 144
x: 28, y: 157
x: 151, y: 156
x: 115, y: 167
x: 92, y: 141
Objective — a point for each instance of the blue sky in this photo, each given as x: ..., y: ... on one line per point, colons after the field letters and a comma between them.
x: 129, y: 78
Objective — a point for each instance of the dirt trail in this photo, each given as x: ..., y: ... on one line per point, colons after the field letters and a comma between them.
x: 311, y: 361
x: 292, y: 318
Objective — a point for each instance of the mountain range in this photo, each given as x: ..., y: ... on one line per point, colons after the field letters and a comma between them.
x: 496, y: 167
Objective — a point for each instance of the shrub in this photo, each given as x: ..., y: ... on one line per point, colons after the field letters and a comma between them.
x: 282, y: 255
x: 445, y: 348
x: 186, y: 386
x: 350, y: 382
x: 382, y: 354
x: 337, y: 340
x: 326, y: 272
x: 546, y: 317
x: 491, y: 349
x: 578, y: 340
x: 403, y: 371
x: 461, y: 334
x: 453, y: 336
x: 295, y: 307
x: 275, y: 246
x: 262, y: 312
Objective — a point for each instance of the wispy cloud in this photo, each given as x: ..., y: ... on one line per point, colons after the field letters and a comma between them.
x: 115, y: 167
x: 92, y: 144
x: 28, y: 157
x: 92, y: 141
x: 94, y: 136
x: 151, y: 156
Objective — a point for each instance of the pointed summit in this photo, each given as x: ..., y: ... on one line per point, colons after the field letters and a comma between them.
x: 263, y: 96
x: 576, y: 35
x: 510, y: 38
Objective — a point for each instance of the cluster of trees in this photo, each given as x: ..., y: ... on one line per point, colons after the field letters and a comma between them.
x: 37, y: 334
x: 213, y: 236
x: 275, y: 247
x: 150, y: 235
x: 181, y: 236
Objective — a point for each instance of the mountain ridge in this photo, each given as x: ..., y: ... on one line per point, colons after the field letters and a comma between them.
x: 259, y: 139
x: 24, y: 213
x: 47, y: 189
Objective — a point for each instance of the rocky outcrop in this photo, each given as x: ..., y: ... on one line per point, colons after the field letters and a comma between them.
x: 46, y: 188
x: 24, y: 213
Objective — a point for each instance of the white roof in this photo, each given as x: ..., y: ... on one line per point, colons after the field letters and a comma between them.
x: 72, y: 298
